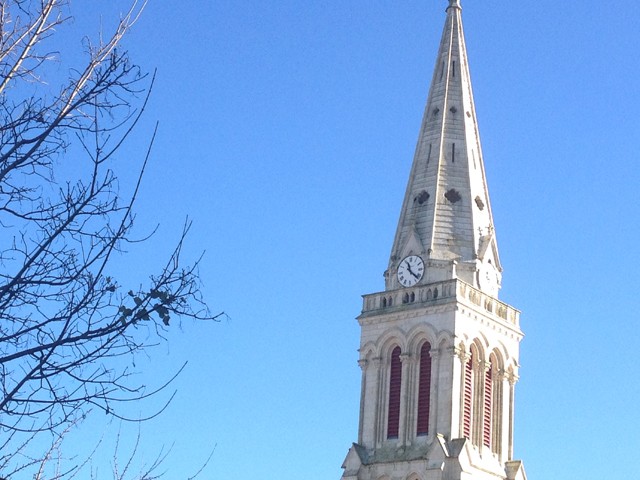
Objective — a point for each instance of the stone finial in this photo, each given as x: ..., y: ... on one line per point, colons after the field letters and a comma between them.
x: 454, y: 4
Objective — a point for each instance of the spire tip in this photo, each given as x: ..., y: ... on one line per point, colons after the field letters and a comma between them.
x: 454, y: 4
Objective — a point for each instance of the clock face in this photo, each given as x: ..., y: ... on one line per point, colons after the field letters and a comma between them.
x: 410, y: 271
x: 488, y: 279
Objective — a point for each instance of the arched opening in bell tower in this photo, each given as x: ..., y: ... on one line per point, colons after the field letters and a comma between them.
x: 424, y: 390
x: 395, y: 384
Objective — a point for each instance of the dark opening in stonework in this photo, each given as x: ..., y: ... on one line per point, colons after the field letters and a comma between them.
x: 422, y: 197
x: 453, y: 196
x: 436, y: 111
x: 479, y: 203
x: 453, y: 109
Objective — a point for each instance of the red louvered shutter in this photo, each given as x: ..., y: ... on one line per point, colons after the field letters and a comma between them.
x: 468, y: 396
x: 424, y: 390
x: 395, y: 380
x: 488, y: 396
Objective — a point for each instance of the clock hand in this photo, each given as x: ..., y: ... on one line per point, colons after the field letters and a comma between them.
x: 411, y: 271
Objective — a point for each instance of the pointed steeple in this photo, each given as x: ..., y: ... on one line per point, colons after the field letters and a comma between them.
x: 439, y: 357
x: 446, y: 215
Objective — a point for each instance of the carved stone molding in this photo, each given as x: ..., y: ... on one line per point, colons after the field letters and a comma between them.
x: 461, y: 353
x: 407, y: 358
x: 512, y: 378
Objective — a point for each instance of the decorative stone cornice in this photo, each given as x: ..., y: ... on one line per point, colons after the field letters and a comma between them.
x: 452, y: 294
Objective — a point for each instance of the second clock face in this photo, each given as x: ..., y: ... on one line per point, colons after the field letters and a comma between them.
x: 410, y: 271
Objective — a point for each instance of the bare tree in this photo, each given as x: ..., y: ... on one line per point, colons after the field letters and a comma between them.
x: 52, y: 464
x: 64, y: 319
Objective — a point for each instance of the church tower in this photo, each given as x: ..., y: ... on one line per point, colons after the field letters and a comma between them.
x: 438, y: 350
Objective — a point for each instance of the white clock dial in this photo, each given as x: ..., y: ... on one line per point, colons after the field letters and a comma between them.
x: 410, y: 271
x: 488, y: 279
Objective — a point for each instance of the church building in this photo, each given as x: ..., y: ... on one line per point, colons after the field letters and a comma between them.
x: 438, y: 350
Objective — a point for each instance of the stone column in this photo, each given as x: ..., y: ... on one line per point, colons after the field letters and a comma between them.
x: 362, y: 363
x: 512, y: 378
x: 460, y: 359
x: 501, y: 410
x: 378, y: 407
x: 406, y: 398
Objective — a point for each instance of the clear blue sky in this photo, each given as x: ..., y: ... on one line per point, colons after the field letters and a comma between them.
x: 287, y: 130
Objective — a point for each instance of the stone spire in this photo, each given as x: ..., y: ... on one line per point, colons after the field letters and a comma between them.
x: 446, y: 215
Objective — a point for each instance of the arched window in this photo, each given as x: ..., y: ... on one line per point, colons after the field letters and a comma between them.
x: 488, y: 406
x: 395, y: 382
x: 424, y: 390
x: 468, y: 397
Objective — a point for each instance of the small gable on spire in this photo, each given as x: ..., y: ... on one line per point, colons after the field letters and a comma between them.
x: 413, y: 246
x: 488, y: 250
